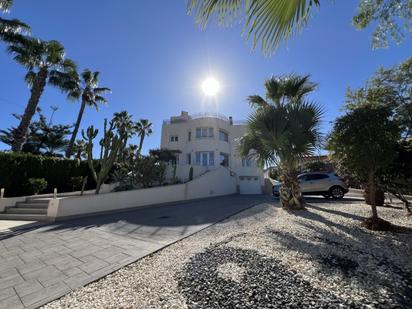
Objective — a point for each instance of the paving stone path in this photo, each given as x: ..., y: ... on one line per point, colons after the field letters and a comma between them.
x: 41, y: 264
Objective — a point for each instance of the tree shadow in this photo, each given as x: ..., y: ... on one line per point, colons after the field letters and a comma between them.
x: 335, y: 212
x: 371, y: 260
x: 159, y: 219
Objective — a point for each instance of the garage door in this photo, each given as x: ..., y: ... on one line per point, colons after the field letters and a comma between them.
x: 249, y: 185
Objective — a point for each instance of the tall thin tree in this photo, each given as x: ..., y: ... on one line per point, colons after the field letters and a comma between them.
x: 45, y: 62
x: 86, y: 88
x: 143, y: 128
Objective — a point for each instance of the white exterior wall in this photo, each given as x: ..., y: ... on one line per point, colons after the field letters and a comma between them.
x: 214, y: 183
x: 181, y: 126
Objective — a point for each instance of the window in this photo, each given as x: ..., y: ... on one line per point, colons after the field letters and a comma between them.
x: 316, y: 176
x: 204, y: 132
x: 224, y: 159
x: 189, y: 136
x: 246, y: 162
x: 302, y: 178
x: 189, y: 159
x: 205, y: 158
x: 174, y: 138
x: 223, y: 136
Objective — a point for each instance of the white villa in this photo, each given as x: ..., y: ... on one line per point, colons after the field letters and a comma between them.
x: 207, y: 142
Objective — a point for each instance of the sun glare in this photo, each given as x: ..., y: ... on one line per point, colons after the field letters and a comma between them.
x: 210, y: 86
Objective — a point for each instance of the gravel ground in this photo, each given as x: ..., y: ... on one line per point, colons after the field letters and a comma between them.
x: 266, y: 257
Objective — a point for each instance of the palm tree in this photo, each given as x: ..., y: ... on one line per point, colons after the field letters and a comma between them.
x: 283, y: 129
x: 267, y: 21
x: 45, y: 61
x: 87, y: 88
x: 126, y: 127
x: 10, y: 28
x: 143, y: 128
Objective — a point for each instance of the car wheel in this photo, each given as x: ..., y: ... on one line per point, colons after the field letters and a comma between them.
x: 336, y: 192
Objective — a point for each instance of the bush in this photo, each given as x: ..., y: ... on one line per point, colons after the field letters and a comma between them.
x: 17, y: 168
x: 36, y: 185
x: 275, y: 173
x: 124, y: 187
x: 76, y: 182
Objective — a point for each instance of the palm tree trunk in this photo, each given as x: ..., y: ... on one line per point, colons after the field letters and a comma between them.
x: 290, y: 194
x: 141, y: 143
x: 20, y: 134
x: 76, y: 129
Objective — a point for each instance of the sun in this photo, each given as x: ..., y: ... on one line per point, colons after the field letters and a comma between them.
x: 210, y: 86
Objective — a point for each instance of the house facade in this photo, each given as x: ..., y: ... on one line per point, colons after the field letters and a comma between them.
x: 207, y: 142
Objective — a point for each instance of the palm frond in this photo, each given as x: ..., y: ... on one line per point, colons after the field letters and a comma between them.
x: 267, y: 22
x: 102, y: 90
x: 226, y: 11
x: 67, y: 82
x: 69, y: 65
x: 288, y: 88
x: 54, y: 52
x: 87, y: 76
x: 30, y: 78
x: 10, y: 28
x: 100, y: 99
x: 257, y: 101
x: 5, y: 5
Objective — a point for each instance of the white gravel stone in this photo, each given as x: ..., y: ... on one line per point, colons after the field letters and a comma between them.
x: 324, y: 245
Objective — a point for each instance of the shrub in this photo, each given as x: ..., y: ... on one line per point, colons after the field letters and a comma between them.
x: 36, y: 185
x: 274, y: 173
x: 124, y: 187
x: 17, y: 168
x: 76, y: 182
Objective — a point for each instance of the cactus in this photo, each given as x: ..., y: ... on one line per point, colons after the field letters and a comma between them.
x: 191, y: 173
x: 110, y: 146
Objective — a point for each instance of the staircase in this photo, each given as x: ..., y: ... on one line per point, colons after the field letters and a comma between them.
x: 33, y: 209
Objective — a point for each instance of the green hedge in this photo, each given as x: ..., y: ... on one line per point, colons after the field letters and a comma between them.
x: 17, y: 168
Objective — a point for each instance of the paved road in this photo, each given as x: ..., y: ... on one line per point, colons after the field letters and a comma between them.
x: 44, y: 263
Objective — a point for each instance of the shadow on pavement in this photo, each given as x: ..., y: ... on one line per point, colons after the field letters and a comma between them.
x: 153, y: 219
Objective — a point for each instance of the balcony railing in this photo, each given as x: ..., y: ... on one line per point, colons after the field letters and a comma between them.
x: 205, y: 115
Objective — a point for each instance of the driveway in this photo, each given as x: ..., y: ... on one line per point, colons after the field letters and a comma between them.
x: 41, y: 264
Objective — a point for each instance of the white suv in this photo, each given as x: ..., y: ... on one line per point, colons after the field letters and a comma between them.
x: 326, y: 184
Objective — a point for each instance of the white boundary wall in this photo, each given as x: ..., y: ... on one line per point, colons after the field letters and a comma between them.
x: 11, y: 201
x: 214, y: 183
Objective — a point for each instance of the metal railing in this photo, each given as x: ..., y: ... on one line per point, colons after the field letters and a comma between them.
x: 206, y: 115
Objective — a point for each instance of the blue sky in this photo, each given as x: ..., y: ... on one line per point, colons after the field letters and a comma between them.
x: 154, y: 58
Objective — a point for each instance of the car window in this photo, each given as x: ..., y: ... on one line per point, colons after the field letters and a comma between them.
x: 302, y: 178
x: 316, y: 176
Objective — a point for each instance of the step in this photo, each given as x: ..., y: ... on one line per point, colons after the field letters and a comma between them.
x: 37, y: 200
x: 28, y: 211
x: 32, y: 205
x: 22, y: 217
